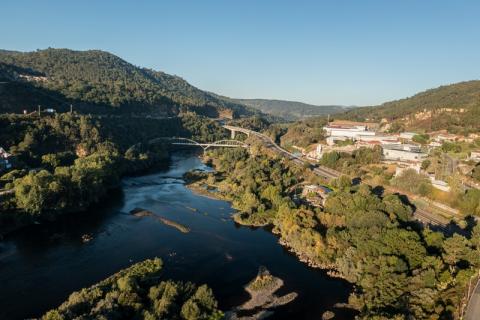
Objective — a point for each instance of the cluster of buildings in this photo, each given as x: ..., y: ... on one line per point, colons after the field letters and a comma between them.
x: 395, y: 147
x: 403, y: 151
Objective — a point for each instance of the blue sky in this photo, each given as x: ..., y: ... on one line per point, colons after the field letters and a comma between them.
x: 322, y: 52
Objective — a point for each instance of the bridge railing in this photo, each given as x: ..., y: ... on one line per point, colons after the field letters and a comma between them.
x: 204, y: 145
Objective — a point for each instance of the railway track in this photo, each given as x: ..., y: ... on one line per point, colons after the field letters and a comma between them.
x: 431, y: 219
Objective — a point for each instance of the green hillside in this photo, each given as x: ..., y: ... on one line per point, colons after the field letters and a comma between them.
x: 455, y: 107
x: 290, y: 110
x: 98, y: 81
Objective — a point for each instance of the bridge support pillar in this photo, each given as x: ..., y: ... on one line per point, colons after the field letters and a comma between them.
x: 232, y: 134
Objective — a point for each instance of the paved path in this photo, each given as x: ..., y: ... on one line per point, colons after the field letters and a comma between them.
x: 473, y: 309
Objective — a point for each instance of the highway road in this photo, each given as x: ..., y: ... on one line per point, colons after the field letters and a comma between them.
x: 319, y: 170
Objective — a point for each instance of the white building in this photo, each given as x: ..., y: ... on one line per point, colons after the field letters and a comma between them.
x: 439, y: 184
x: 403, y: 152
x: 318, y: 151
x: 331, y: 140
x: 442, y: 137
x: 382, y: 139
x: 407, y: 135
x: 316, y: 154
x: 348, y: 131
x: 475, y: 156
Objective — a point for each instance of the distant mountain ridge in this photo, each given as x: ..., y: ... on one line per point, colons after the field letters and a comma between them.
x: 291, y: 110
x: 97, y: 80
x: 455, y: 107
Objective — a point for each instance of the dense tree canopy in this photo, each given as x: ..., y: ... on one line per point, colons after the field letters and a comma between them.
x: 137, y: 292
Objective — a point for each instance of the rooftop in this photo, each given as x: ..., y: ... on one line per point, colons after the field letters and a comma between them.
x: 403, y: 147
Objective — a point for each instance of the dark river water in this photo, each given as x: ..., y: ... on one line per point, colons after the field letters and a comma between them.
x: 42, y: 264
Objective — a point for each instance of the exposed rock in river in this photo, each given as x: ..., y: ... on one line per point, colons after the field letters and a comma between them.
x: 328, y: 315
x: 139, y: 212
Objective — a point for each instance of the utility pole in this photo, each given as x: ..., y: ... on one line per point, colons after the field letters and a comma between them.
x: 39, y: 111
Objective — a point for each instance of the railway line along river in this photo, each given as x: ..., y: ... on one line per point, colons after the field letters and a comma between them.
x: 42, y: 264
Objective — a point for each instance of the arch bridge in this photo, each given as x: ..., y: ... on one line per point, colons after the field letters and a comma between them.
x: 204, y: 145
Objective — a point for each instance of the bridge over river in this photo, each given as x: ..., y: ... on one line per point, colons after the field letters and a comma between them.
x: 204, y: 145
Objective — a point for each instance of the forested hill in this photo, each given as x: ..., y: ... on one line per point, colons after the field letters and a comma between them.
x: 455, y: 107
x: 97, y: 80
x: 290, y: 110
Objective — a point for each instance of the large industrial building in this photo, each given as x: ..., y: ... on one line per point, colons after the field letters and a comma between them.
x: 403, y: 152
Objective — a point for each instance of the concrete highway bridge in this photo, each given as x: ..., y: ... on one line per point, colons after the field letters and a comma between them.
x: 269, y: 143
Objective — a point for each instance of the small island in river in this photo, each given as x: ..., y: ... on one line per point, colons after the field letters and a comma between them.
x: 139, y: 212
x: 262, y: 298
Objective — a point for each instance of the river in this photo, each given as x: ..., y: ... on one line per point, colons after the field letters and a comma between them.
x: 42, y: 264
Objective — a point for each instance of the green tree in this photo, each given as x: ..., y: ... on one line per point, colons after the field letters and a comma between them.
x: 421, y: 138
x: 426, y: 164
x: 455, y: 249
x: 470, y: 202
x: 411, y: 181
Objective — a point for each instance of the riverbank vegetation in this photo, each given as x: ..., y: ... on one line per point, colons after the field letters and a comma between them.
x: 254, y: 184
x: 67, y: 162
x: 399, y: 269
x: 139, y: 292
